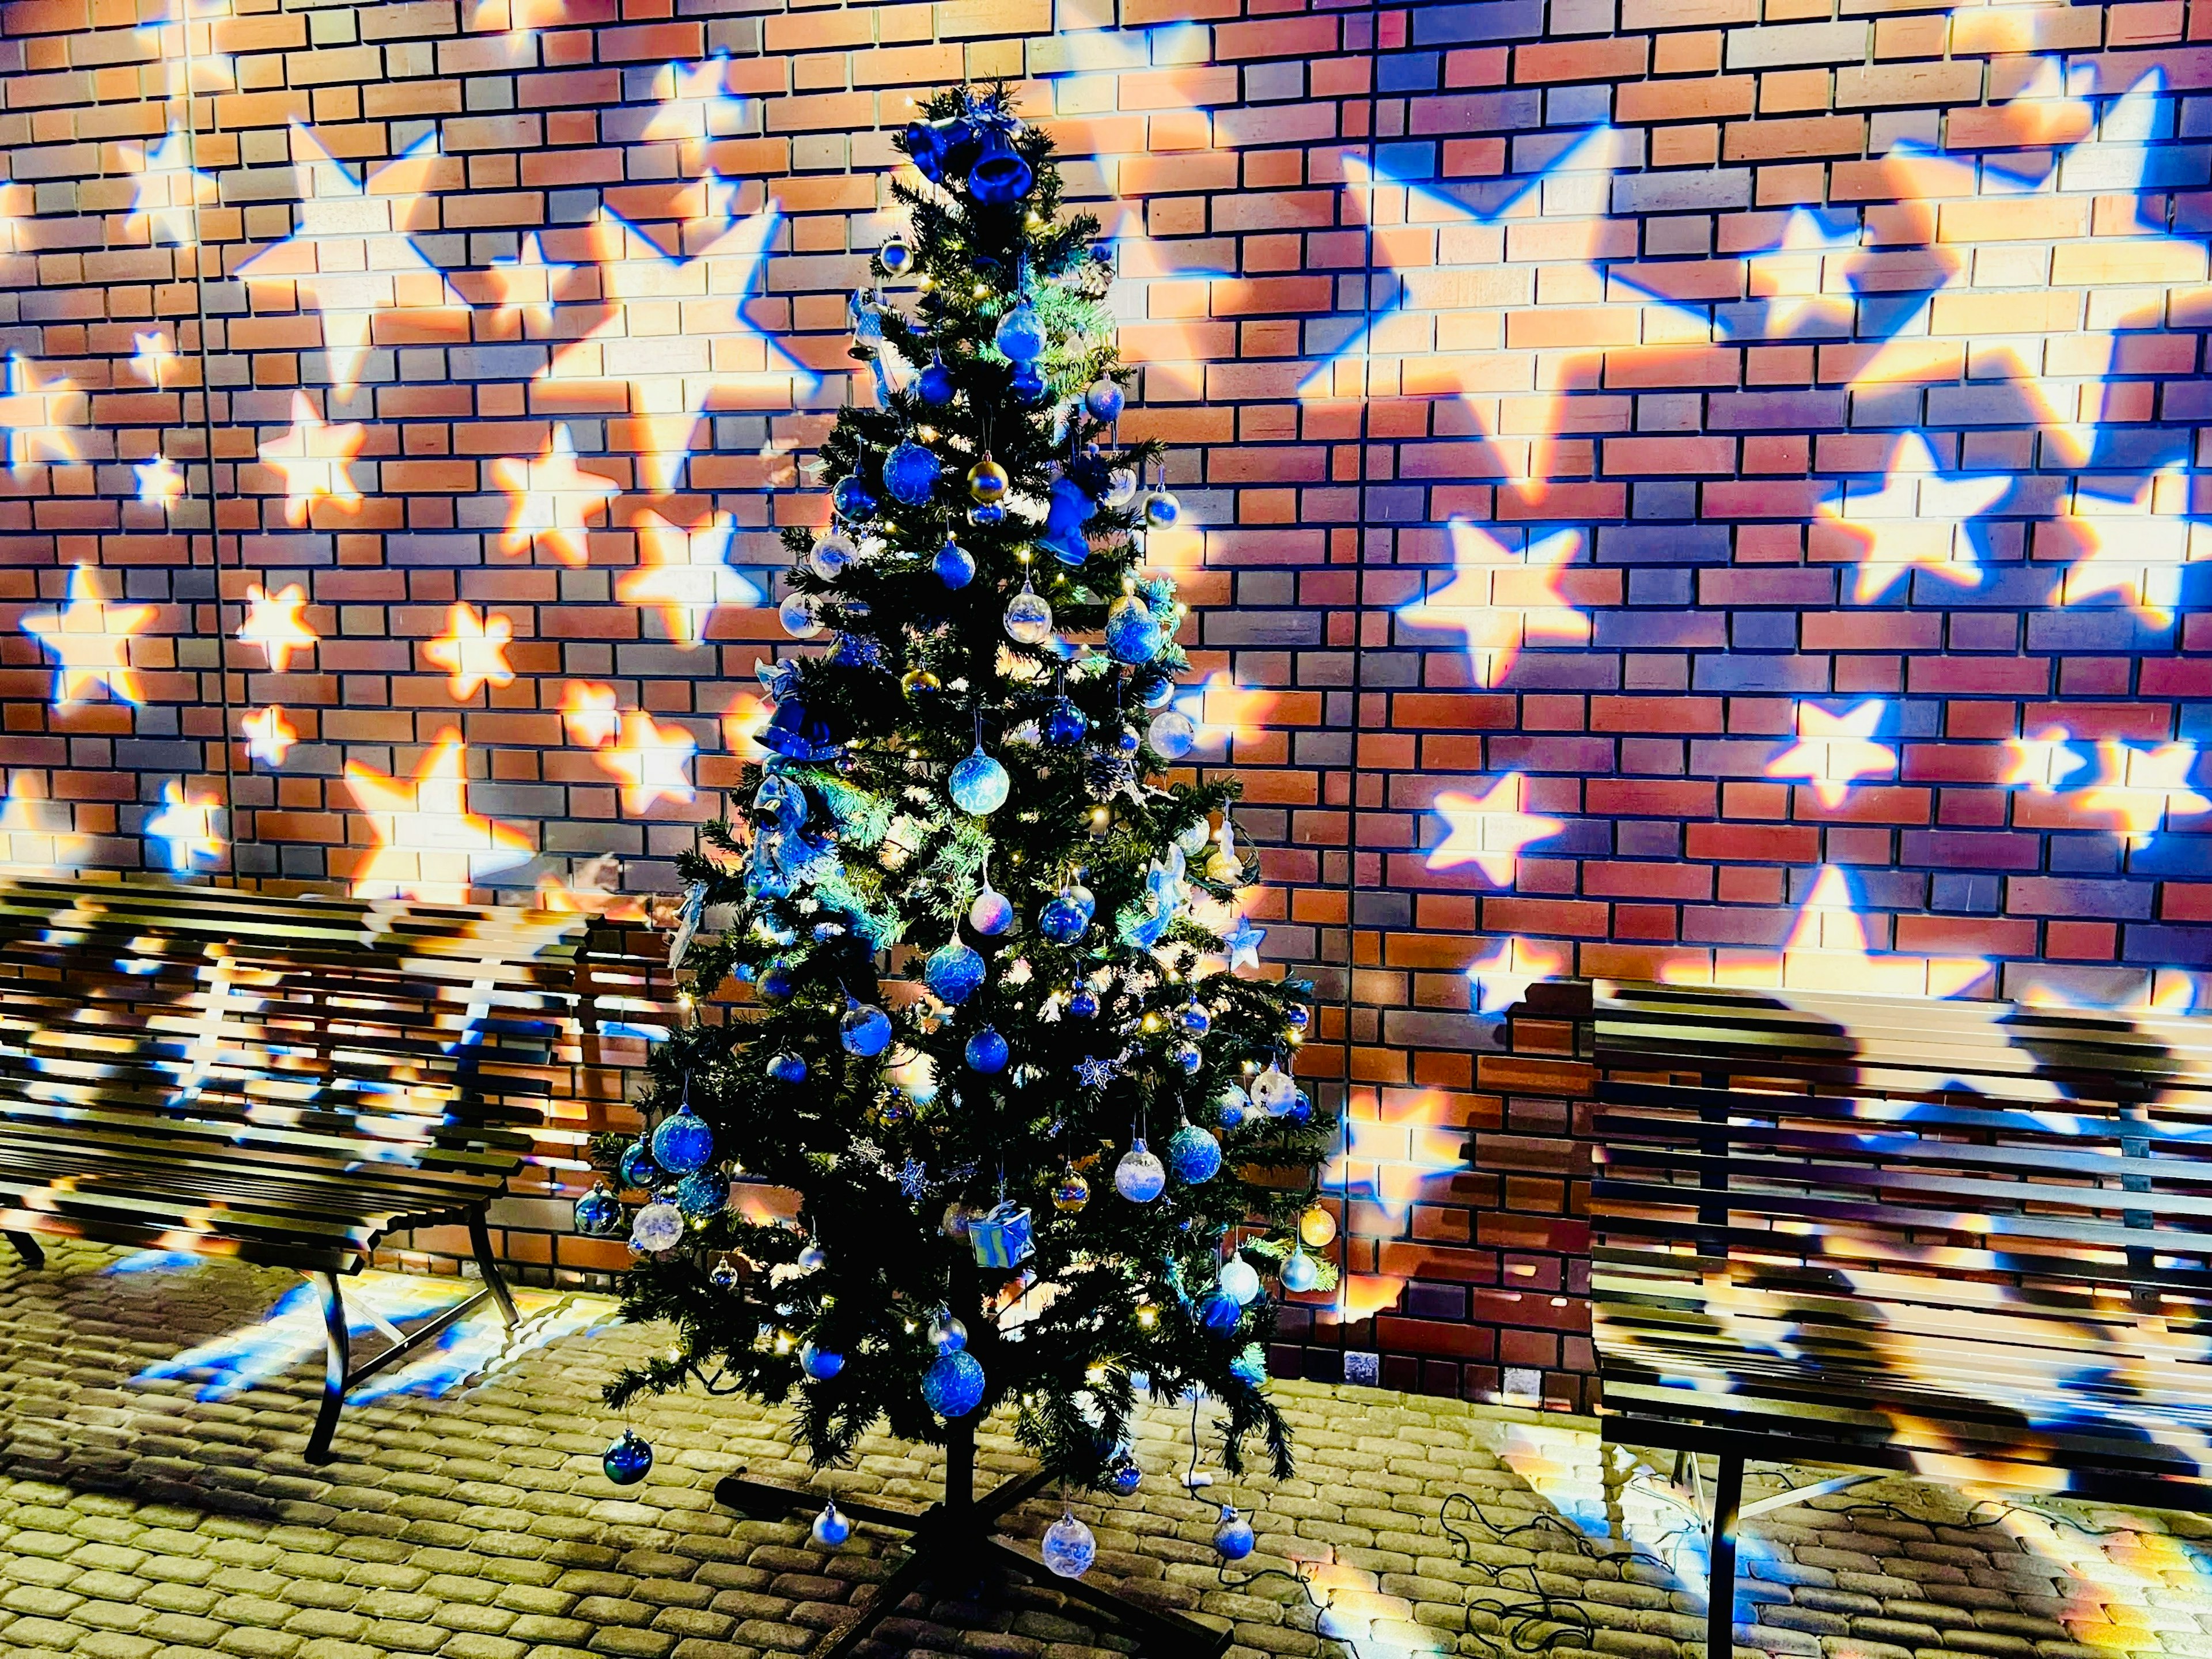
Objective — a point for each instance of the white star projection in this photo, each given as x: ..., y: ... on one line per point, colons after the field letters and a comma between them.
x: 159, y: 484
x: 36, y: 414
x: 270, y: 735
x: 1505, y: 968
x: 314, y: 460
x: 695, y: 101
x: 427, y: 844
x: 1804, y: 290
x: 168, y: 191
x: 91, y: 639
x: 1917, y: 520
x: 472, y: 650
x: 1828, y: 950
x: 2042, y: 763
x: 273, y: 622
x: 527, y: 283
x: 1489, y: 830
x: 518, y: 17
x: 187, y: 827
x: 652, y: 761
x: 36, y: 832
x: 2132, y: 543
x: 349, y: 257
x: 1500, y: 597
x: 1834, y: 751
x: 152, y: 356
x: 2141, y: 790
x: 590, y: 714
x: 550, y: 499
x: 182, y: 43
x: 673, y: 340
x: 1496, y: 308
x: 684, y: 574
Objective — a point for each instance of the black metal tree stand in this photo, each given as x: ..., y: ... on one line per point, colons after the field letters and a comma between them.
x: 955, y: 1540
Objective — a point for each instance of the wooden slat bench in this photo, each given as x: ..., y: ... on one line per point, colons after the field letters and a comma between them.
x: 282, y: 1080
x: 1969, y: 1240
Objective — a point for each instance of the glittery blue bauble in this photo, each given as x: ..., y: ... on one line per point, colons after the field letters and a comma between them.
x: 1028, y: 384
x: 627, y: 1460
x: 1231, y: 1115
x: 1220, y: 1313
x: 910, y: 473
x: 1105, y: 400
x: 682, y: 1143
x: 637, y: 1168
x: 954, y: 970
x: 954, y: 566
x: 775, y: 985
x: 1020, y: 335
x: 1131, y: 634
x: 1194, y: 1155
x: 1127, y: 741
x: 1196, y: 1020
x: 1124, y: 1478
x: 853, y: 499
x: 1068, y: 1547
x: 819, y: 1363
x: 864, y: 1030
x: 1066, y: 723
x: 1233, y: 1537
x: 953, y: 1384
x: 1301, y: 1110
x: 987, y: 512
x: 1082, y: 1002
x: 979, y: 784
x: 598, y: 1212
x: 987, y: 1052
x: 934, y: 385
x: 787, y: 1067
x: 1062, y: 921
x: 1297, y: 1016
x: 702, y: 1194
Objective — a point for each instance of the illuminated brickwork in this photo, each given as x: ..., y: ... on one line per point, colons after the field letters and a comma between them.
x: 1678, y: 488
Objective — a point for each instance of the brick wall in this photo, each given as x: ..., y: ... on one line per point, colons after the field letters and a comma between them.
x: 1679, y: 487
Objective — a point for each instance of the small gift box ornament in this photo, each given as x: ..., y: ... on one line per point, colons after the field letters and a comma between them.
x: 1002, y: 1236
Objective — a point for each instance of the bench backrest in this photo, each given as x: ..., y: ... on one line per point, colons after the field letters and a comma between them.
x: 1964, y: 1228
x: 286, y: 1033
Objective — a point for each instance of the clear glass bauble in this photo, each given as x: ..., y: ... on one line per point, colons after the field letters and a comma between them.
x: 1067, y: 1547
x: 658, y: 1227
x: 1139, y: 1177
x: 797, y: 615
x: 1028, y: 617
x: 831, y: 555
x: 1162, y: 510
x: 895, y: 255
x: 1300, y: 1271
x: 864, y: 1030
x: 830, y: 1529
x: 1120, y: 487
x: 599, y: 1212
x: 1172, y: 734
x: 992, y: 913
x: 1240, y: 1279
x: 947, y: 1335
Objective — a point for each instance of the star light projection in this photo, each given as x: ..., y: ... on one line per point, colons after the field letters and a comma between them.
x: 651, y: 761
x: 270, y: 735
x: 1917, y: 520
x: 472, y: 650
x: 1834, y: 751
x: 151, y: 355
x: 36, y: 413
x: 1501, y: 598
x: 1830, y: 949
x: 168, y: 192
x: 159, y: 484
x: 314, y: 461
x: 274, y: 622
x: 1489, y: 830
x: 684, y: 573
x: 91, y: 639
x: 187, y: 828
x: 350, y: 256
x: 527, y: 284
x: 550, y: 499
x: 2132, y: 542
x: 590, y: 714
x: 427, y: 845
x: 695, y: 101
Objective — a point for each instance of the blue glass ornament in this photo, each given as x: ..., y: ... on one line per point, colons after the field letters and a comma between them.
x: 953, y: 971
x: 1172, y: 734
x: 1020, y: 335
x: 987, y: 512
x: 895, y: 255
x: 1139, y: 1177
x: 1162, y: 510
x: 934, y: 385
x: 702, y: 1194
x: 1102, y: 253
x: 1194, y: 1155
x: 987, y: 1052
x: 1066, y: 511
x: 1082, y: 1002
x: 1066, y: 723
x: 1131, y: 634
x: 628, y: 1459
x: 800, y: 616
x: 830, y: 1529
x: 1105, y: 400
x: 1301, y: 1110
x: 1082, y: 898
x: 813, y: 1259
x: 1297, y: 1016
x: 853, y: 499
x: 864, y: 1030
x: 1240, y: 1279
x: 637, y: 1168
x: 1196, y: 1020
x: 1232, y: 1539
x: 683, y: 1142
x: 1187, y: 1058
x: 1153, y: 690
x: 992, y: 913
x: 1124, y: 1478
x: 599, y: 1212
x: 1299, y: 1272
x: 1027, y: 384
x: 820, y: 1363
x: 979, y: 784
x: 953, y: 1384
x: 829, y: 557
x: 1219, y: 1314
x: 1000, y: 176
x: 1068, y: 1547
x: 1062, y: 921
x: 924, y: 148
x: 1232, y: 1106
x: 776, y: 984
x: 910, y: 473
x: 1127, y: 741
x: 947, y: 1335
x: 787, y: 1067
x: 954, y: 565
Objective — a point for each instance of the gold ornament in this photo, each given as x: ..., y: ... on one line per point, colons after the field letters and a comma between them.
x: 987, y: 481
x: 915, y: 682
x: 1072, y: 1195
x: 1316, y: 1226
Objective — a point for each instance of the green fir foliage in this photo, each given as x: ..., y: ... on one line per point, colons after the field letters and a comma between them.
x: 851, y: 865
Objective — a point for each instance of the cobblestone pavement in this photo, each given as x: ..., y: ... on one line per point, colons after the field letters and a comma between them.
x: 154, y: 1511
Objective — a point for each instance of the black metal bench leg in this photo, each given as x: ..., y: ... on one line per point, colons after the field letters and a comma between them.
x: 480, y: 1242
x: 1720, y: 1586
x: 335, y: 1360
x: 27, y: 1248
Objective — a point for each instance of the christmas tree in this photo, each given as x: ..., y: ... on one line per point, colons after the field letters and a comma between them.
x: 1045, y: 1136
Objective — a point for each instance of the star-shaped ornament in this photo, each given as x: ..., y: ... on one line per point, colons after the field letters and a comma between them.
x: 312, y: 458
x: 550, y: 498
x: 1093, y: 1071
x: 270, y: 735
x: 92, y: 639
x: 1243, y: 941
x: 273, y: 622
x: 1489, y: 830
x: 1833, y: 752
